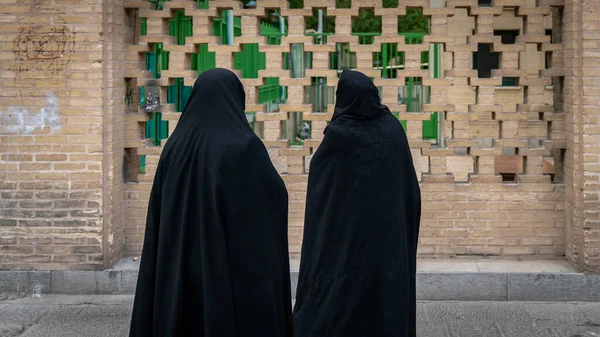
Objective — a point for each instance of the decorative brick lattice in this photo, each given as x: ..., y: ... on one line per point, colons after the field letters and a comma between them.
x: 479, y: 94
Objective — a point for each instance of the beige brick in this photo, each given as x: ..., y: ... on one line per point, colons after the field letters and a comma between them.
x: 532, y: 217
x: 504, y: 242
x: 50, y: 157
x: 518, y: 250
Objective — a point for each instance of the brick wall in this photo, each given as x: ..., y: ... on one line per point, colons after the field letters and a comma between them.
x: 59, y: 178
x: 489, y: 130
x: 117, y: 33
x: 591, y: 129
x: 582, y: 98
x: 514, y: 173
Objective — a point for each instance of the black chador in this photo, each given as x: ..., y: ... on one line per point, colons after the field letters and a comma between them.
x: 363, y: 208
x: 215, y: 259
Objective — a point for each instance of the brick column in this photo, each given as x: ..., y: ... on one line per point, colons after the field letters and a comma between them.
x: 51, y: 110
x: 582, y: 159
x: 118, y: 29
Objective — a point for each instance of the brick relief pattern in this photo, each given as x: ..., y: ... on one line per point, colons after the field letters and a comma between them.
x: 492, y: 174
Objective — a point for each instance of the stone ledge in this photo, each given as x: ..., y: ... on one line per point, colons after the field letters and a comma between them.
x: 440, y: 283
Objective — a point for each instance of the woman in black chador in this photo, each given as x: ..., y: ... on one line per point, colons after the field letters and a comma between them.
x: 215, y: 259
x: 363, y: 208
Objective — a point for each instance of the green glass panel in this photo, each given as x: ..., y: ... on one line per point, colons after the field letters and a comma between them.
x: 272, y: 32
x: 238, y: 60
x: 143, y: 164
x: 150, y: 129
x: 509, y: 81
x: 172, y: 92
x: 163, y: 131
x: 173, y: 27
x: 251, y: 117
x: 154, y: 64
x: 403, y: 123
x: 178, y: 94
x: 204, y: 60
x: 436, y: 61
x: 158, y: 4
x: 151, y: 61
x: 250, y: 61
x: 180, y: 27
x: 203, y: 4
x: 237, y: 26
x: 430, y: 127
x: 186, y: 92
x: 414, y: 26
x: 270, y: 91
x: 286, y: 59
x: 163, y: 60
x: 389, y: 59
x: 157, y: 129
x: 142, y: 96
x: 220, y: 27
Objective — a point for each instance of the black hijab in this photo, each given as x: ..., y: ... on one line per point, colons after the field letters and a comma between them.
x: 363, y: 208
x: 215, y: 259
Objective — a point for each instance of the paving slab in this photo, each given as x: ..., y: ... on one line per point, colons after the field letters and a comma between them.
x: 73, y: 282
x: 553, y: 287
x: 294, y: 264
x: 432, y: 330
x: 461, y: 286
x: 579, y: 332
x: 294, y: 283
x: 476, y: 312
x: 437, y: 279
x: 591, y: 312
x: 21, y: 317
x: 129, y: 281
x: 474, y: 330
x: 54, y: 300
x: 11, y: 329
x: 421, y: 313
x: 25, y: 313
x: 99, y: 315
x: 89, y: 326
x: 15, y: 282
x: 439, y: 312
x: 92, y: 310
x: 538, y: 266
x: 42, y: 279
x: 555, y: 314
x: 108, y: 281
x: 526, y: 330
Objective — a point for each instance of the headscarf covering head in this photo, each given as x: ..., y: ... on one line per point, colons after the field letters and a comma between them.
x: 357, y: 97
x: 216, y: 88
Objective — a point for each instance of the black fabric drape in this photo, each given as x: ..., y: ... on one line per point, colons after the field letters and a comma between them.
x: 215, y: 260
x: 363, y: 208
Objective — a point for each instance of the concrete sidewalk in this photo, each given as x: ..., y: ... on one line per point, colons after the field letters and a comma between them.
x: 437, y: 280
x: 108, y: 316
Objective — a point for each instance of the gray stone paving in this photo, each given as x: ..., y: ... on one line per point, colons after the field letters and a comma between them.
x: 108, y: 316
x: 437, y: 280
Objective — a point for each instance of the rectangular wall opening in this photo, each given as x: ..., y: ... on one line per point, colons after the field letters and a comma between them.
x: 132, y: 165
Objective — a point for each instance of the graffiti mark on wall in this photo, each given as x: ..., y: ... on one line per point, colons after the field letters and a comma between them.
x: 43, y: 49
x: 17, y: 120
